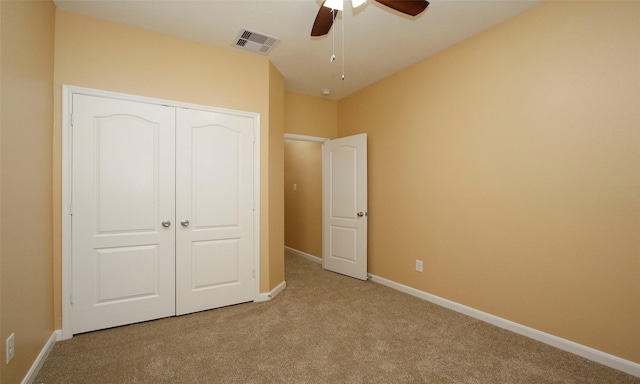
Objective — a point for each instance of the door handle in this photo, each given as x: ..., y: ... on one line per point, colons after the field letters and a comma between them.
x: 166, y: 223
x: 185, y: 223
x: 360, y: 214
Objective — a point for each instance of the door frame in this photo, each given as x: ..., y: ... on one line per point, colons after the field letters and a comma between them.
x: 67, y: 108
x: 325, y: 191
x: 323, y: 141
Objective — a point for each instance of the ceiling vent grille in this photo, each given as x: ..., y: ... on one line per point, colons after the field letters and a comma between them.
x: 255, y: 42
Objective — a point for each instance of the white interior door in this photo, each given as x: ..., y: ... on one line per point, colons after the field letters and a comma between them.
x: 344, y: 206
x: 123, y: 187
x: 215, y: 209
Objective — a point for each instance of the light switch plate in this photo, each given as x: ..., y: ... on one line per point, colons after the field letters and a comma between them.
x: 11, y: 347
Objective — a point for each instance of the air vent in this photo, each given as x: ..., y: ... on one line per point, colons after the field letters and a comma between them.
x: 255, y: 42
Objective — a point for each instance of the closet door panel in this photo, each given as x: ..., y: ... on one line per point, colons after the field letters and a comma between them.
x: 123, y: 185
x: 214, y: 241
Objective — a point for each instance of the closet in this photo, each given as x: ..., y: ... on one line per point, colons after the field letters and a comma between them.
x: 162, y: 210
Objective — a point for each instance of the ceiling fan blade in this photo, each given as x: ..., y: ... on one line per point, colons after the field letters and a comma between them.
x: 408, y: 7
x: 324, y: 21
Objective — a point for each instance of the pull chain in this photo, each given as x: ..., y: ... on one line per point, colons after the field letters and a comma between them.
x: 333, y: 38
x: 344, y: 17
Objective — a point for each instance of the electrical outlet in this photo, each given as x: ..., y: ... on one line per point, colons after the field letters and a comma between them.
x: 295, y: 187
x: 419, y: 265
x: 11, y: 347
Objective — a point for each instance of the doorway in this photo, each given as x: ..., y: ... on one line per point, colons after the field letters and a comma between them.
x: 342, y: 201
x: 303, y: 195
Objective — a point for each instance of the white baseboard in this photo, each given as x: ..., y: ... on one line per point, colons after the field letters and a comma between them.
x: 577, y: 349
x: 304, y: 254
x: 42, y: 356
x: 271, y: 294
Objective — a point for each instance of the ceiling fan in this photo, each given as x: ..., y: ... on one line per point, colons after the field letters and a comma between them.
x: 329, y: 10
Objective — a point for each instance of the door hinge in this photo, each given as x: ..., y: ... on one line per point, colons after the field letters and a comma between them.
x: 71, y: 209
x: 254, y: 273
x: 71, y: 298
x: 71, y: 119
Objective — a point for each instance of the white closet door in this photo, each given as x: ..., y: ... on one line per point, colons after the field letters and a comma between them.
x: 214, y: 210
x: 123, y: 190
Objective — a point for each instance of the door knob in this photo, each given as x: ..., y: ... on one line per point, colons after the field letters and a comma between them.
x: 360, y: 214
x: 166, y: 223
x: 185, y: 223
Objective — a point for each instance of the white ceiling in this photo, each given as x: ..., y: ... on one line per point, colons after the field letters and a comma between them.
x: 378, y: 41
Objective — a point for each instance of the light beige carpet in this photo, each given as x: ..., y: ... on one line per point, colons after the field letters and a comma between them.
x: 323, y: 328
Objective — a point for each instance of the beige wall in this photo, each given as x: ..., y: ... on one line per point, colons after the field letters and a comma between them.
x: 303, y: 207
x: 510, y: 165
x: 311, y: 116
x: 26, y: 300
x: 276, y: 178
x: 99, y: 54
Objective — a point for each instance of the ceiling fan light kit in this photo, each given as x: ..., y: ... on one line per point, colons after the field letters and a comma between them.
x: 334, y: 4
x: 329, y: 10
x: 339, y: 4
